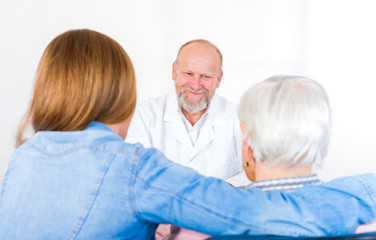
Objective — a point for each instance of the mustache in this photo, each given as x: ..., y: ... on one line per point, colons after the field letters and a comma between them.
x: 199, y: 91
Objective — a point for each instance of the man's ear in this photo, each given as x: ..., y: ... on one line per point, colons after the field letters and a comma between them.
x: 174, y: 71
x: 219, y: 78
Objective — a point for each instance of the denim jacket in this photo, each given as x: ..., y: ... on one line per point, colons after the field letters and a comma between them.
x: 90, y: 184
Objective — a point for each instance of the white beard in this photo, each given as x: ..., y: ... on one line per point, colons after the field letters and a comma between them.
x: 189, y: 107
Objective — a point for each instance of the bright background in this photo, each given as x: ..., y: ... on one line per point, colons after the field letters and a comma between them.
x: 331, y: 41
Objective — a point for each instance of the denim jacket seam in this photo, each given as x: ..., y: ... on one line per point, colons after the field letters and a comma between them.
x: 77, y: 227
x: 370, y: 191
x: 90, y: 146
x: 134, y: 173
x: 3, y: 185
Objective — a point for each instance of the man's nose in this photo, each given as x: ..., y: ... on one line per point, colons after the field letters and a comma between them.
x: 196, y: 83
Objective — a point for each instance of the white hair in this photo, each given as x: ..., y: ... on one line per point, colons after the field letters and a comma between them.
x: 287, y: 120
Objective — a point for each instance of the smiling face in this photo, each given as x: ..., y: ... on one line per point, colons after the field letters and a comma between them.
x: 197, y: 74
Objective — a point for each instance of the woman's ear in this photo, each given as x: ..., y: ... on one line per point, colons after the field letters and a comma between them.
x: 242, y: 127
x: 249, y: 161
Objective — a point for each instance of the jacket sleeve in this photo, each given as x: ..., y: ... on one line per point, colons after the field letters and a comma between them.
x: 165, y: 192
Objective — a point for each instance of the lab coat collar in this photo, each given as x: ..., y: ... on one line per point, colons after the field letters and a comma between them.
x: 207, y: 134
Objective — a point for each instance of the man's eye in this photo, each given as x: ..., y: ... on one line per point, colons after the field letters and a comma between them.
x: 188, y: 73
x: 206, y: 76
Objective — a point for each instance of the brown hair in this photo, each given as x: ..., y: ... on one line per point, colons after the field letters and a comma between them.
x: 83, y: 76
x: 204, y: 42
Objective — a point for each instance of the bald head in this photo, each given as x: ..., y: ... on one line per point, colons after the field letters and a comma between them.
x: 204, y: 47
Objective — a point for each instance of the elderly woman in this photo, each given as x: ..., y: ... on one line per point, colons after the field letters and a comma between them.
x: 286, y: 124
x: 76, y: 178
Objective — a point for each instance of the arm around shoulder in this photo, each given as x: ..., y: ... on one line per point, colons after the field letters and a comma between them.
x: 166, y: 192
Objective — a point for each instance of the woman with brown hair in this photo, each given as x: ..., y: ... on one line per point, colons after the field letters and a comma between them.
x: 76, y: 178
x: 82, y: 77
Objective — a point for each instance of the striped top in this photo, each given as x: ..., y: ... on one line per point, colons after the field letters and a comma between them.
x: 285, y: 184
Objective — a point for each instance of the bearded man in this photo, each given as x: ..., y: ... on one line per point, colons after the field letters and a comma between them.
x: 194, y: 126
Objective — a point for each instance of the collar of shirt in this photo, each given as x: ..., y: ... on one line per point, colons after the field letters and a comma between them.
x: 285, y: 184
x: 193, y: 131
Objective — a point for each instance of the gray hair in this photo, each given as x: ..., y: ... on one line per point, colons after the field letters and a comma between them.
x: 288, y: 120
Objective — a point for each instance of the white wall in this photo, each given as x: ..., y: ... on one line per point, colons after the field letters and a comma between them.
x: 341, y: 54
x: 332, y: 41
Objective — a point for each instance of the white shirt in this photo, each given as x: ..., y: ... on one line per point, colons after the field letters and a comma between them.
x: 212, y: 146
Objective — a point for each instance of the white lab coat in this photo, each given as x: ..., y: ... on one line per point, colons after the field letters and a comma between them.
x: 217, y: 151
